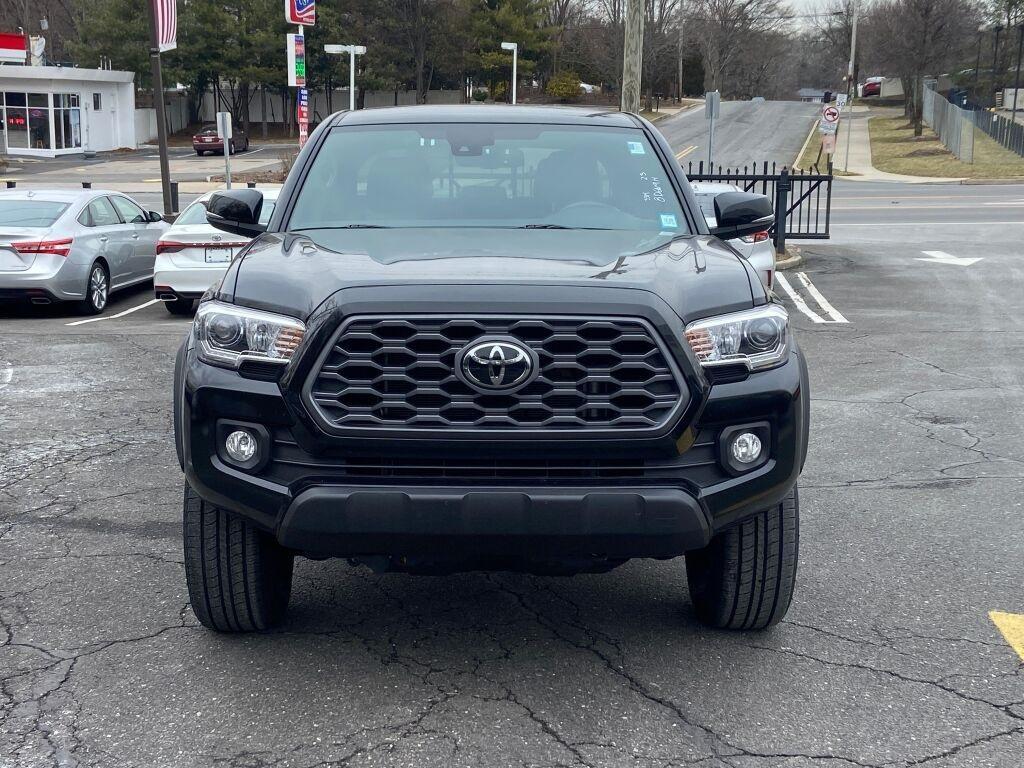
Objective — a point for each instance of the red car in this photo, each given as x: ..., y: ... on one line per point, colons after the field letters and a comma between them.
x: 872, y: 86
x: 207, y: 140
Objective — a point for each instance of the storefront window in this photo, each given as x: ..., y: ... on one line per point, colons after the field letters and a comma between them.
x: 16, y: 120
x: 67, y: 120
x: 41, y: 121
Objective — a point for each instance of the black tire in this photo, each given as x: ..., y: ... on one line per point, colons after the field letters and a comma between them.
x: 239, y: 578
x: 200, y: 153
x: 744, y: 578
x: 180, y: 306
x: 97, y: 290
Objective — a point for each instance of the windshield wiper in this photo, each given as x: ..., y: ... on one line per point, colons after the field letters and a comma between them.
x: 556, y: 226
x: 343, y: 226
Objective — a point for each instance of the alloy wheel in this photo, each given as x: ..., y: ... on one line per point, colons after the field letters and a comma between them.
x: 98, y: 288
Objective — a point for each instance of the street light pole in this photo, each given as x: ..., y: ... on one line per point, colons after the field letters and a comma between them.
x: 514, y: 47
x: 352, y: 51
x: 1016, y: 79
x: 995, y: 61
x: 158, y: 102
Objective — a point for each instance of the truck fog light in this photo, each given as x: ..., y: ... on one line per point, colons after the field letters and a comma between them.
x: 745, y: 447
x: 241, y: 446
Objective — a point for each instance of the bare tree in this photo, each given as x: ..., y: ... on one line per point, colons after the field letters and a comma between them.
x: 921, y: 38
x: 722, y: 28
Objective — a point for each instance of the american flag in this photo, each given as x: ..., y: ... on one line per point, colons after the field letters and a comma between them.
x: 166, y: 13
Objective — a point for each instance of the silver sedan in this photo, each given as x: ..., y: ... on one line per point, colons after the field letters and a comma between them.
x: 77, y: 245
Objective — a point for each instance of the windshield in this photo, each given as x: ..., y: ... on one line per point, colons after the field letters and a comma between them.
x: 30, y: 213
x: 196, y: 213
x: 487, y: 176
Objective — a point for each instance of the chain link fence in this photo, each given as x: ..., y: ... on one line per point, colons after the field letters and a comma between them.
x: 954, y: 126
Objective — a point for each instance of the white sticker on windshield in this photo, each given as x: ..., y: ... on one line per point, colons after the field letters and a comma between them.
x: 668, y: 221
x: 636, y: 148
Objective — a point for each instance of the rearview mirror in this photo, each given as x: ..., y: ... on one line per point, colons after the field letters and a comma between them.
x: 237, y: 211
x: 153, y: 217
x: 741, y: 213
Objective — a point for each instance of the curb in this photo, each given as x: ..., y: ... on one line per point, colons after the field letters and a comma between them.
x: 794, y: 258
x: 969, y: 182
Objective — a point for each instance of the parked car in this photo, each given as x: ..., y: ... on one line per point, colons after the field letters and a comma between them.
x: 481, y: 337
x: 872, y: 86
x: 757, y: 247
x: 207, y: 140
x: 59, y: 245
x: 192, y: 254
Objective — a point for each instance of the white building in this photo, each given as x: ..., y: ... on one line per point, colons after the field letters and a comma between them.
x: 50, y: 111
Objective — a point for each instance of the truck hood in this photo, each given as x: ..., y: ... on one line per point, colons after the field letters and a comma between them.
x: 695, y: 275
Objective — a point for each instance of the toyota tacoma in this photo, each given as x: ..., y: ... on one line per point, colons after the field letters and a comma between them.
x: 489, y: 338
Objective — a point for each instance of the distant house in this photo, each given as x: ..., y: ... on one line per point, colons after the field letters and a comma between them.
x: 811, y: 94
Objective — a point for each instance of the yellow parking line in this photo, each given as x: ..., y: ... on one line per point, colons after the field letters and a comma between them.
x: 1012, y: 627
x: 683, y: 153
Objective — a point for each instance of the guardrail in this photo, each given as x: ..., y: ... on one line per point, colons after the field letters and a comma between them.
x: 802, y: 199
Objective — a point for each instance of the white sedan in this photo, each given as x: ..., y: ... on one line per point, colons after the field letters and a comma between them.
x: 757, y: 248
x: 193, y: 255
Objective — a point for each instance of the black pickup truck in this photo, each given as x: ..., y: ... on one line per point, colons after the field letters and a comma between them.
x: 489, y: 338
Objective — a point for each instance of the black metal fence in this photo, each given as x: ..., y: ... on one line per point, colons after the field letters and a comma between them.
x: 1007, y: 133
x: 802, y: 199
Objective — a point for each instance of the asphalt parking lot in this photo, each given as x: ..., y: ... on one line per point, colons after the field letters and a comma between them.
x: 912, y: 534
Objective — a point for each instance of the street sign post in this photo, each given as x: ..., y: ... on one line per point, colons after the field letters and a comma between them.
x: 712, y: 106
x: 224, y: 132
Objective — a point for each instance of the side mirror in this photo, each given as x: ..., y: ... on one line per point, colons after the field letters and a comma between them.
x: 741, y: 213
x: 236, y: 211
x: 153, y: 217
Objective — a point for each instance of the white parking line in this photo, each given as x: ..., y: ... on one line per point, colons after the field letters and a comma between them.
x: 831, y: 314
x: 149, y: 303
x: 798, y: 300
x: 6, y: 374
x: 822, y: 301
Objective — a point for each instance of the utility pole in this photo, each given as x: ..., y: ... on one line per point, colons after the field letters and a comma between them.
x: 158, y: 102
x: 632, y: 56
x: 851, y: 90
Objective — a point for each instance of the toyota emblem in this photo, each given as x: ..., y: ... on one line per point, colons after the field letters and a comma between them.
x: 497, y: 364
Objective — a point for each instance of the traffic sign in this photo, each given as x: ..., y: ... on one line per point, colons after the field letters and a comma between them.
x: 829, y: 119
x: 840, y: 100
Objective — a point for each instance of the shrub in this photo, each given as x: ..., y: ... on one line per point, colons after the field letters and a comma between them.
x: 565, y: 86
x: 479, y: 95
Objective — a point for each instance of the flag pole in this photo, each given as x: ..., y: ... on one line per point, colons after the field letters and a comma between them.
x: 158, y: 101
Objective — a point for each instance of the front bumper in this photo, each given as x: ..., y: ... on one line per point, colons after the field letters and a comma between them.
x: 331, y: 496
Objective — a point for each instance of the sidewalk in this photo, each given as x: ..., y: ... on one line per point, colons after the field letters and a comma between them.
x: 853, y: 131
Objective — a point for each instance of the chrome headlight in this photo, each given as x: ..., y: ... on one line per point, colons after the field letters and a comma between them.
x: 758, y: 338
x: 227, y: 335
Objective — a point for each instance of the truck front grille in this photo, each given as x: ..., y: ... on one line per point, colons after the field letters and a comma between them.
x: 398, y: 372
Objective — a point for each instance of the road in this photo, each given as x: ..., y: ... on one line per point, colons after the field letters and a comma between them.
x: 746, y: 133
x: 913, y: 530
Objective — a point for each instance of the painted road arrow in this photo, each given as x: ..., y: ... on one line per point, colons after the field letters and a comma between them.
x: 1012, y: 627
x: 941, y: 257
